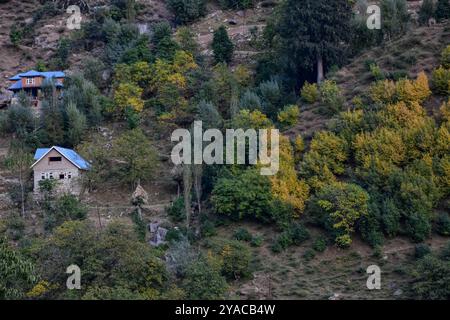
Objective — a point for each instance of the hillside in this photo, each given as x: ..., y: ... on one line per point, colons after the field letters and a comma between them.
x: 363, y: 177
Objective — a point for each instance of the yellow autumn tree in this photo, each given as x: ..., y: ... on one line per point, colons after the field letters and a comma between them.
x: 413, y: 91
x: 128, y: 95
x: 445, y: 111
x: 383, y: 91
x: 138, y: 73
x: 325, y: 159
x: 401, y: 115
x: 382, y: 150
x: 286, y: 186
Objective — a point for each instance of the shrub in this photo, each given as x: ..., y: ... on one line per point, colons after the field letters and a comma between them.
x: 295, y: 234
x: 441, y: 81
x: 257, y: 241
x: 65, y: 208
x: 309, y: 255
x: 243, y: 234
x: 310, y: 92
x: 331, y: 97
x: 176, y: 211
x: 235, y: 260
x: 421, y: 250
x: 187, y: 10
x: 203, y: 281
x: 443, y: 224
x: 445, y: 253
x: 15, y: 227
x: 236, y: 4
x: 15, y: 35
x: 320, y: 244
x: 288, y: 117
x: 271, y: 97
x: 431, y: 279
x: 298, y: 234
x: 445, y: 111
x: 208, y: 228
x: 445, y: 57
x: 382, y: 91
x: 418, y: 226
x: 377, y: 73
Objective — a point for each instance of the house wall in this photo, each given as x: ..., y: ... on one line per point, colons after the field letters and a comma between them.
x: 37, y: 82
x: 45, y: 169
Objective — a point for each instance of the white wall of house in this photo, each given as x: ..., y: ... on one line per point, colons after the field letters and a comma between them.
x: 55, y: 166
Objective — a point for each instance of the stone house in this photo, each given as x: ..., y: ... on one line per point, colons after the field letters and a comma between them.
x: 60, y: 164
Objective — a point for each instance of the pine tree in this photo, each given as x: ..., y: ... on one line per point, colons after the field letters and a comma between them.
x: 222, y: 46
x: 426, y: 11
x: 442, y: 10
x: 313, y: 34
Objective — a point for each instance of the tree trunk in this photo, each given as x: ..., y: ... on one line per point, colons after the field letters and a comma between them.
x: 320, y: 73
x: 187, y: 187
x: 22, y: 194
x: 198, y: 172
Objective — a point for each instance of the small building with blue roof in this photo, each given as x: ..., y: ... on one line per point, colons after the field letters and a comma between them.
x: 31, y: 82
x: 63, y: 165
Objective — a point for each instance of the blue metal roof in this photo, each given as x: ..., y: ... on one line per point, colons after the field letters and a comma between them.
x: 16, y: 86
x: 71, y: 155
x: 34, y: 73
x: 53, y: 74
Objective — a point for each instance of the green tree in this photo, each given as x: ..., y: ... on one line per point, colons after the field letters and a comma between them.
x: 19, y: 161
x: 395, y: 17
x: 442, y: 10
x: 76, y: 125
x: 137, y: 157
x: 339, y: 206
x: 203, y: 281
x: 426, y: 11
x: 222, y: 46
x: 109, y: 258
x: 164, y: 47
x: 245, y: 194
x: 98, y: 153
x: 52, y: 118
x: 432, y: 279
x: 187, y: 11
x: 313, y: 34
x: 17, y: 274
x: 186, y: 39
x: 236, y: 258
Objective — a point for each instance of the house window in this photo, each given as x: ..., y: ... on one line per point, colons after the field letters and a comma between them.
x: 55, y: 159
x: 43, y: 177
x: 51, y: 175
x: 69, y: 176
x: 30, y: 80
x: 61, y: 176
